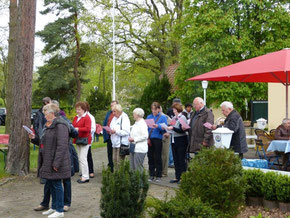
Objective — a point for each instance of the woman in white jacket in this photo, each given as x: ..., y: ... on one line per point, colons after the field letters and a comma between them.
x: 120, y: 129
x: 138, y: 137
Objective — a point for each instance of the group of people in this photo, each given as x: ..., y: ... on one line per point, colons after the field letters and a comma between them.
x: 181, y: 131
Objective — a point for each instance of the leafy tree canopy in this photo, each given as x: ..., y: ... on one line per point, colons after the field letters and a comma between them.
x: 215, y: 34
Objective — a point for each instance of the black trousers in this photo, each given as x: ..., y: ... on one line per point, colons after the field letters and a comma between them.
x: 110, y: 154
x: 90, y: 161
x: 154, y: 158
x: 179, y: 151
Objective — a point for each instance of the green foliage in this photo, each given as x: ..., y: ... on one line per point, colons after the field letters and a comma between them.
x: 98, y: 101
x: 157, y: 90
x: 181, y: 206
x: 215, y: 34
x: 269, y: 186
x: 259, y: 216
x: 215, y: 176
x: 123, y: 192
x: 283, y: 188
x: 254, y: 180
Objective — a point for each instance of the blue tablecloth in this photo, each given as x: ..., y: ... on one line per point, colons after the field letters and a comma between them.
x: 279, y: 145
x: 256, y: 163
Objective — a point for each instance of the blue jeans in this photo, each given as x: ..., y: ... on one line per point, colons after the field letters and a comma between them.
x: 56, y: 193
x: 67, y: 193
x: 170, y: 160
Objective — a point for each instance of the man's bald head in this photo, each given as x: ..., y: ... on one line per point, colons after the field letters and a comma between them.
x: 198, y: 103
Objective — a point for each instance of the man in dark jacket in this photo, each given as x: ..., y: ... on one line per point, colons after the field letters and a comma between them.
x: 235, y: 123
x: 107, y: 137
x: 199, y: 135
x: 39, y: 119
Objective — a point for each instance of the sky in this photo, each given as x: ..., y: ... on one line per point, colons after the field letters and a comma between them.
x: 41, y: 21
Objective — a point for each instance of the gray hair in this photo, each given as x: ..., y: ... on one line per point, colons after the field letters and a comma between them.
x: 285, y: 120
x: 55, y: 102
x: 139, y: 112
x: 51, y: 108
x: 117, y: 107
x: 227, y: 104
x: 199, y: 100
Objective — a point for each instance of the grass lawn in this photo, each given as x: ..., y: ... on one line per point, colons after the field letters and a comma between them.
x: 34, y: 154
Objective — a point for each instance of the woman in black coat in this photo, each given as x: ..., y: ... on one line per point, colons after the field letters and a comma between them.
x: 54, y: 163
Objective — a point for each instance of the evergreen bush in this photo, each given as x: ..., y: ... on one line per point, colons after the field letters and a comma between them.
x: 215, y: 176
x: 157, y: 90
x: 254, y: 180
x: 181, y: 206
x: 123, y: 192
x: 283, y: 188
x: 269, y: 186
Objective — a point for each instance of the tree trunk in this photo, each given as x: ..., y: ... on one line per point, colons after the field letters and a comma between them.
x: 18, y: 149
x: 77, y: 58
x: 11, y: 61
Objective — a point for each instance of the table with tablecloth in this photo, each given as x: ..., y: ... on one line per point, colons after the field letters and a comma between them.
x: 279, y: 145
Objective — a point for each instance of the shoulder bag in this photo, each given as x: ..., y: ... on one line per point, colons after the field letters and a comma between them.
x: 124, y: 149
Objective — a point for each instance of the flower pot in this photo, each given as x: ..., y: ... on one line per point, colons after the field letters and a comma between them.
x: 270, y: 204
x: 255, y: 201
x: 284, y: 207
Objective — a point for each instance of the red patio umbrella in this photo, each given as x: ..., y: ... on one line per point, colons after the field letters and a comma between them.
x: 269, y: 68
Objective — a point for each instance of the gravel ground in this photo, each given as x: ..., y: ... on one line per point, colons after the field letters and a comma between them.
x: 19, y: 195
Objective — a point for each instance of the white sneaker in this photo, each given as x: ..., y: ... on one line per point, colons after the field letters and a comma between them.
x: 50, y: 211
x: 56, y: 214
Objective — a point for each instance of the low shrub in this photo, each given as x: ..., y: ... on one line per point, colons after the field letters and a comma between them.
x: 181, y: 206
x: 283, y: 188
x: 269, y: 186
x: 254, y: 180
x: 123, y: 192
x: 215, y: 176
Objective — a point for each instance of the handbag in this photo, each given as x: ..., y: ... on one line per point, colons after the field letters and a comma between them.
x: 124, y: 149
x: 82, y: 141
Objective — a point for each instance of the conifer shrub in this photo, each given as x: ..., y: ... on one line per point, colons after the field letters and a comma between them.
x: 254, y: 180
x: 215, y: 176
x: 181, y: 206
x: 123, y: 192
x: 269, y: 186
x: 283, y: 188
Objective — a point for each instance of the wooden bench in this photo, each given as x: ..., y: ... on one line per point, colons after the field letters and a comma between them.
x: 4, y: 141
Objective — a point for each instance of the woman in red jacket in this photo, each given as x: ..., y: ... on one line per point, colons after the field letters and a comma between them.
x: 82, y: 124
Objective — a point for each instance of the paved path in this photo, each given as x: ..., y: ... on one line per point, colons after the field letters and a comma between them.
x: 19, y: 196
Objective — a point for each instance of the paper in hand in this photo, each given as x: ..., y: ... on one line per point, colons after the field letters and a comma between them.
x: 183, y: 123
x: 150, y: 122
x: 208, y: 125
x: 173, y: 122
x: 108, y: 129
x: 27, y: 129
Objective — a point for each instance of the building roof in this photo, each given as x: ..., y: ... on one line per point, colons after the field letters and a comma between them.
x: 170, y: 72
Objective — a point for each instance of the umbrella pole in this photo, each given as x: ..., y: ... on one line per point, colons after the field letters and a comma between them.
x: 287, y: 94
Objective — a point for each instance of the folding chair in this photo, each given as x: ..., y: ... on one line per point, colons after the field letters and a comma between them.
x: 265, y: 156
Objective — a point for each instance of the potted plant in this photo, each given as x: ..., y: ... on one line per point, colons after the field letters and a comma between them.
x: 269, y: 190
x: 283, y: 192
x: 254, y: 195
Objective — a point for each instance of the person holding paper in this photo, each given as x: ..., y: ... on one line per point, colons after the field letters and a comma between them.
x: 54, y: 161
x: 82, y: 123
x: 138, y: 137
x: 107, y: 135
x: 199, y: 135
x: 155, y: 145
x: 235, y: 123
x: 120, y: 130
x: 179, y: 142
